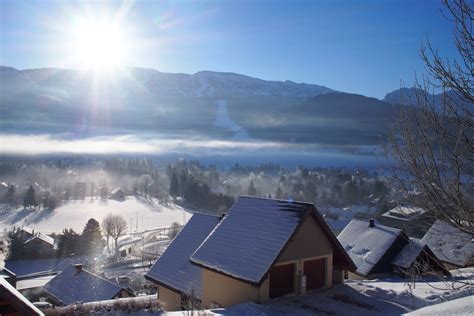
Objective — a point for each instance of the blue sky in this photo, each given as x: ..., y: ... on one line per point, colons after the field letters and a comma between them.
x: 364, y: 47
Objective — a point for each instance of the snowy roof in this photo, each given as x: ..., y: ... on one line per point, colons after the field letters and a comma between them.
x: 27, y: 230
x: 70, y: 286
x: 450, y: 244
x: 15, y: 299
x: 64, y: 264
x: 405, y: 213
x: 6, y: 273
x: 173, y: 269
x: 43, y: 237
x: 34, y: 282
x: 409, y: 253
x: 367, y: 245
x: 249, y: 239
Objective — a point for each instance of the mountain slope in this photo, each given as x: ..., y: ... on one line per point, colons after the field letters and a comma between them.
x: 209, y: 105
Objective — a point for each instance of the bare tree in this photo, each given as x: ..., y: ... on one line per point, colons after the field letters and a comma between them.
x: 114, y: 226
x: 433, y: 138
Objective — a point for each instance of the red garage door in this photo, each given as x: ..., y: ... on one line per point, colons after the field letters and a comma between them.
x: 282, y: 280
x: 314, y: 271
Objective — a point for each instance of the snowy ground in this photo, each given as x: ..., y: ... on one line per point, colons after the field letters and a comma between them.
x: 461, y: 306
x: 375, y: 297
x: 74, y: 214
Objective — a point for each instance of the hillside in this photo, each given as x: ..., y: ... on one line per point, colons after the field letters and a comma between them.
x: 75, y: 214
x: 145, y: 101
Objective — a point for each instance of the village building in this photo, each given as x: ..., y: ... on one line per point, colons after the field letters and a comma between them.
x: 13, y: 303
x: 179, y: 281
x: 379, y: 251
x: 417, y: 258
x: 262, y: 249
x: 452, y: 246
x: 75, y: 284
x: 40, y: 244
x: 414, y: 221
x: 25, y: 233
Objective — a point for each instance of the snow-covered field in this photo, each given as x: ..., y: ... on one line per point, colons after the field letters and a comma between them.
x: 374, y: 297
x: 461, y: 306
x: 75, y: 214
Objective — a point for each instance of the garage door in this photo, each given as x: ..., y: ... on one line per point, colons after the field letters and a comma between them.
x: 314, y: 271
x: 282, y: 280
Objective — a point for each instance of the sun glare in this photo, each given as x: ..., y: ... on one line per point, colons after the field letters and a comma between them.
x: 99, y: 45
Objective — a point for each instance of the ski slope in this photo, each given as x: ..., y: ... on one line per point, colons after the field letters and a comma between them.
x: 74, y: 214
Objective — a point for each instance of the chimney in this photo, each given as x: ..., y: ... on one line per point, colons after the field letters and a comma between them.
x: 78, y: 268
x: 371, y: 222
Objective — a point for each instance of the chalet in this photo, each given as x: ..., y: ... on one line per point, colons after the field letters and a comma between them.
x: 261, y: 249
x: 75, y: 284
x: 414, y: 221
x: 40, y: 244
x: 452, y: 246
x: 13, y: 303
x: 178, y: 279
x: 379, y: 250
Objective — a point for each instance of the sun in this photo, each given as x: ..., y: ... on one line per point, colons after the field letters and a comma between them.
x: 98, y: 45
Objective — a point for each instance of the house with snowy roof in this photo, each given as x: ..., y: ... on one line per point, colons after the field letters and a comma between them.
x: 40, y: 244
x: 379, y: 250
x: 261, y: 249
x: 414, y: 221
x: 75, y: 284
x: 417, y: 258
x: 177, y: 278
x: 13, y: 303
x: 452, y: 246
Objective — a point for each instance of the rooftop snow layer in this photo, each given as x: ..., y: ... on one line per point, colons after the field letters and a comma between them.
x: 70, y: 286
x: 173, y: 268
x: 366, y: 245
x: 409, y: 253
x: 405, y: 213
x: 450, y: 244
x: 43, y: 237
x: 249, y: 238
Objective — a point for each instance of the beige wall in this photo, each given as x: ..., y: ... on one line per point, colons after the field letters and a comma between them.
x: 309, y: 243
x: 171, y: 299
x: 354, y: 276
x: 220, y: 290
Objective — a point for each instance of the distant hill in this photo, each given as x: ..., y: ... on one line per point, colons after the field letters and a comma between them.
x: 209, y: 104
x: 410, y: 96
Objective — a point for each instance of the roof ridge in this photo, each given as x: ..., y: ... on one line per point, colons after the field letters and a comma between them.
x: 273, y: 199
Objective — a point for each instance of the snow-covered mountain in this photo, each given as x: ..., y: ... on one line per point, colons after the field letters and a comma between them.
x: 213, y: 105
x: 201, y: 84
